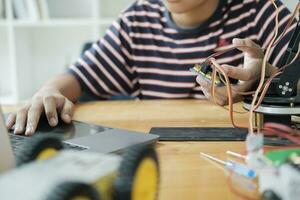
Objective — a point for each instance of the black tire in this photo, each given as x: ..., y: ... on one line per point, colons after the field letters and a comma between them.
x: 34, y: 147
x: 124, y: 183
x: 71, y: 190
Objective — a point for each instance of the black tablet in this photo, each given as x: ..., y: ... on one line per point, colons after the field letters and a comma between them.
x: 200, y: 133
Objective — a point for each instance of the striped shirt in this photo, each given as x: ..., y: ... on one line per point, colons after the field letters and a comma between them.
x: 144, y: 54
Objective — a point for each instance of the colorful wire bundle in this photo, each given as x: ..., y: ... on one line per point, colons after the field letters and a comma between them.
x: 263, y: 86
x: 269, y: 129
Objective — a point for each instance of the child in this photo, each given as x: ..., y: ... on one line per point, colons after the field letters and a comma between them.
x: 148, y: 51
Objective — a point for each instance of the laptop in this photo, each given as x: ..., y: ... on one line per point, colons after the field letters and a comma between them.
x: 77, y: 136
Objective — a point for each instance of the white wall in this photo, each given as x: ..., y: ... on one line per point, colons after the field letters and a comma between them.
x: 5, y: 63
x: 31, y: 51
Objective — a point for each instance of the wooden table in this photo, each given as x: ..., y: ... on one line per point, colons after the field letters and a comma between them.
x: 184, y: 174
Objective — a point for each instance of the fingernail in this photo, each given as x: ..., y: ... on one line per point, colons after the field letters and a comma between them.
x: 29, y: 130
x: 67, y: 118
x: 53, y: 121
x: 237, y: 41
x: 18, y: 129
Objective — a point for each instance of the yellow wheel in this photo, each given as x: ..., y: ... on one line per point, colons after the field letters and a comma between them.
x: 138, y: 176
x: 145, y: 181
x: 74, y: 191
x: 39, y: 147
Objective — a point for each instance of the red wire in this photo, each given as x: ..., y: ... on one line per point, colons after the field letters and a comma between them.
x: 283, y: 131
x: 285, y: 135
x: 281, y: 127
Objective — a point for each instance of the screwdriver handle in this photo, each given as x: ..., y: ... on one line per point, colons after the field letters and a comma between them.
x: 240, y: 169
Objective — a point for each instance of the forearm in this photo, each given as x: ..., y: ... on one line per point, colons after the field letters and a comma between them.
x: 66, y: 84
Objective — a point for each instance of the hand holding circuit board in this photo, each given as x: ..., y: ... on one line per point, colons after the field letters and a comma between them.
x: 237, y: 80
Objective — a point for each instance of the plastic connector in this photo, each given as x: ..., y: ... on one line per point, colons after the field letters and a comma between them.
x: 255, y: 157
x: 254, y: 142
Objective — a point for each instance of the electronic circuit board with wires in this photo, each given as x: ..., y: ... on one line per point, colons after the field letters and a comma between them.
x: 205, y: 71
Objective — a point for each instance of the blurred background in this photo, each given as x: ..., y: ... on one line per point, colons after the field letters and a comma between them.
x: 40, y: 38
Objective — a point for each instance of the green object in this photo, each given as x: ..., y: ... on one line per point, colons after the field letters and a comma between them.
x: 279, y: 157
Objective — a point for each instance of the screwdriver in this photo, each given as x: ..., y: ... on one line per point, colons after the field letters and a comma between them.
x: 233, y: 166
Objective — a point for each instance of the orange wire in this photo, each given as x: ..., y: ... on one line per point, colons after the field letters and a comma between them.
x: 289, y: 24
x: 214, y: 74
x: 282, y: 68
x: 229, y: 90
x: 216, y: 66
x: 278, y: 72
x: 266, y: 86
x: 263, y: 72
x: 236, y: 91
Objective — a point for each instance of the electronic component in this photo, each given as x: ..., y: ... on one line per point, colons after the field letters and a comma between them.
x: 281, y: 99
x: 280, y: 156
x: 286, y: 84
x: 275, y: 100
x: 204, y: 69
x: 281, y: 181
x: 235, y: 167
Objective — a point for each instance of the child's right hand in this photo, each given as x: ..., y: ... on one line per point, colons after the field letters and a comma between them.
x: 49, y: 101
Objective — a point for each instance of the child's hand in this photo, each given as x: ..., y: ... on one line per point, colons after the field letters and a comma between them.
x: 48, y: 101
x: 248, y: 74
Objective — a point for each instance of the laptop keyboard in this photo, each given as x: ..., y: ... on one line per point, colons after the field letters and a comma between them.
x: 17, y: 141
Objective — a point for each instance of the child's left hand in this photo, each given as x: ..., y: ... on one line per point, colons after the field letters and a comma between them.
x: 248, y: 74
